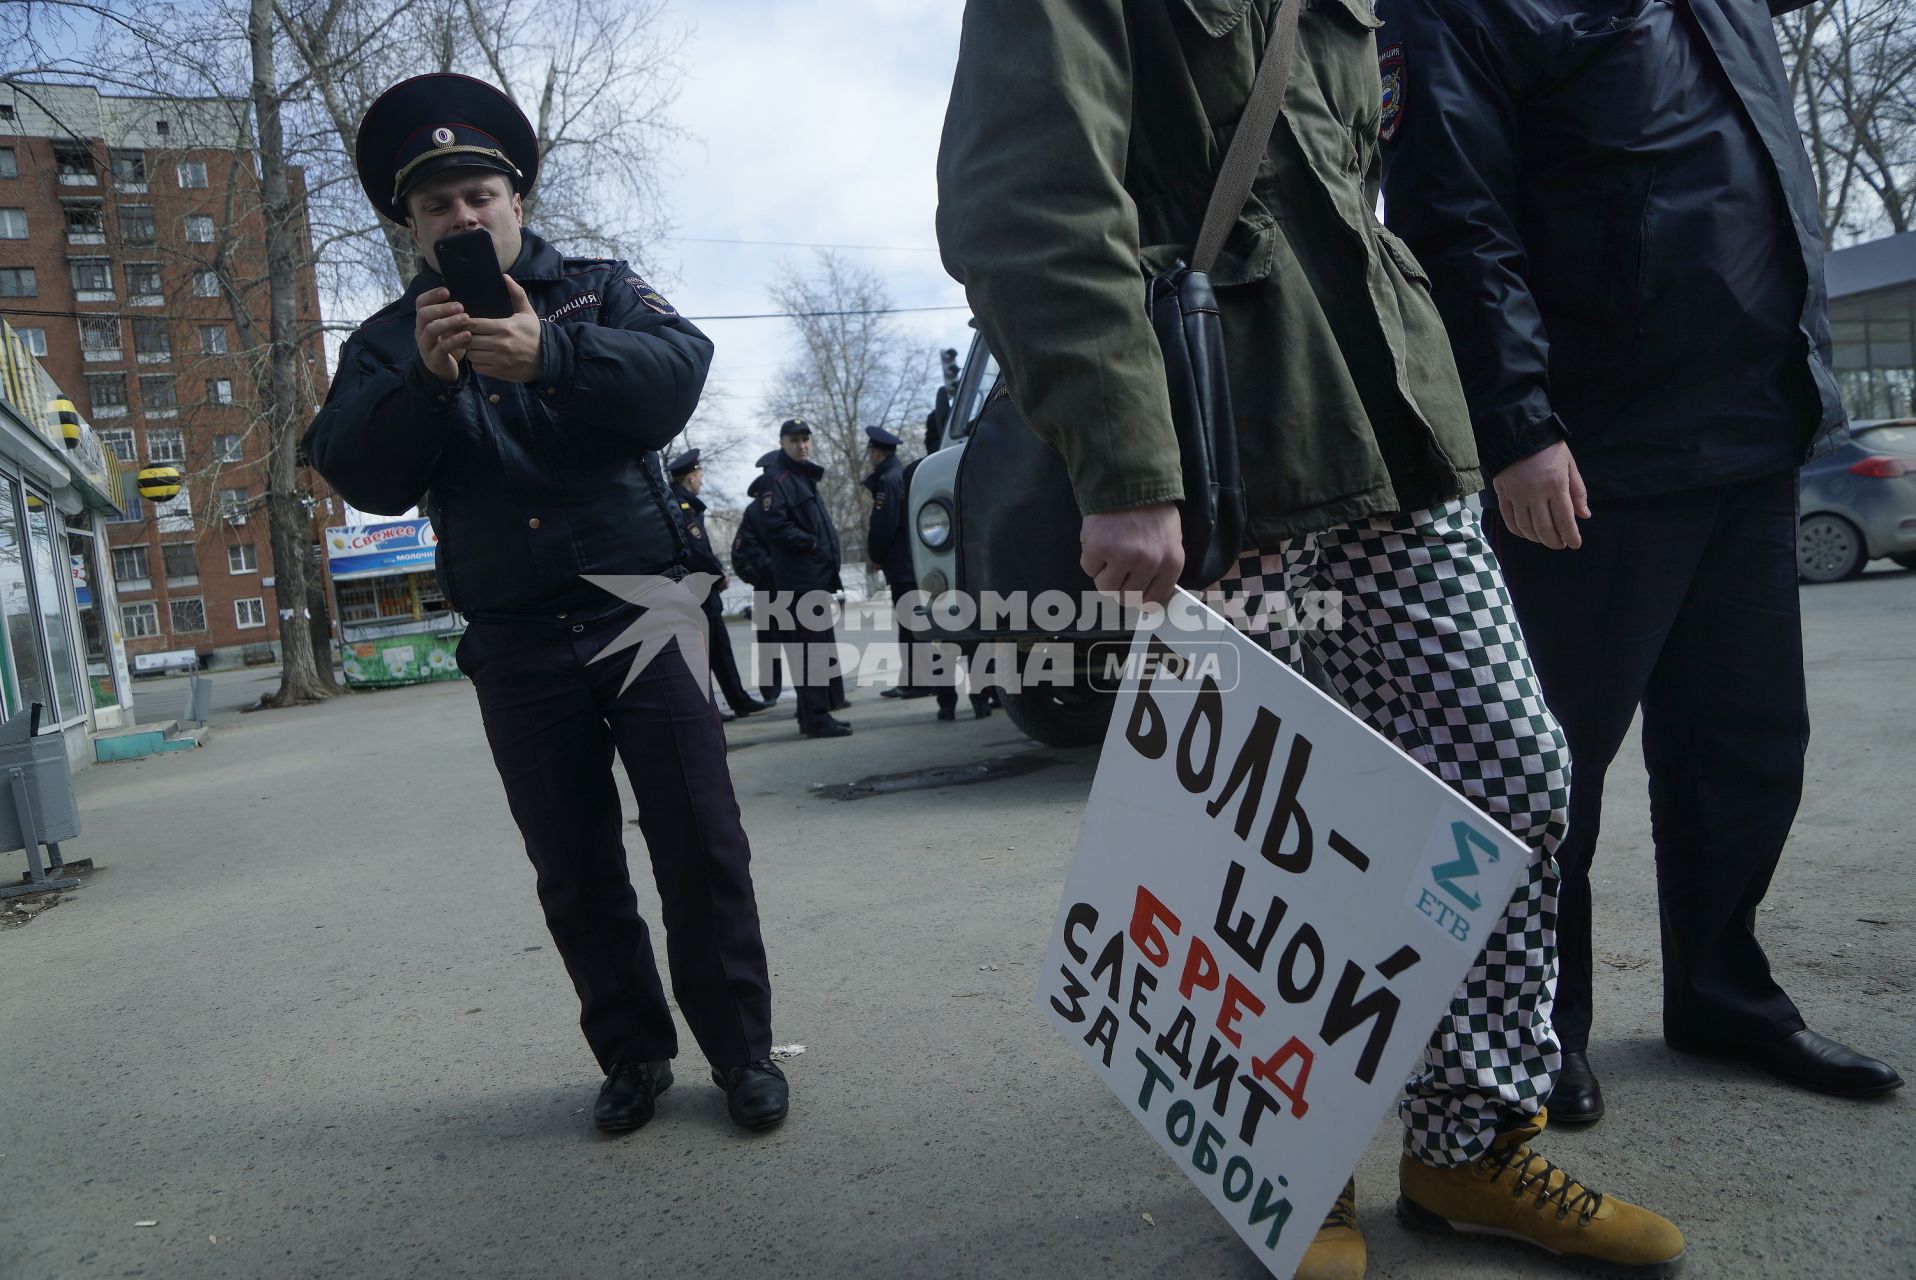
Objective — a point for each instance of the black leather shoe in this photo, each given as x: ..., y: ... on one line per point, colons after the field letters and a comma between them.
x: 629, y: 1094
x: 1578, y: 1098
x: 980, y: 708
x: 840, y: 704
x: 749, y: 707
x: 726, y: 717
x: 1810, y: 1061
x: 947, y: 713
x: 830, y: 729
x: 756, y: 1094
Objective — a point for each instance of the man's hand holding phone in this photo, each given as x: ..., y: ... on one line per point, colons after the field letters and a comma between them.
x: 442, y: 330
x: 508, y: 349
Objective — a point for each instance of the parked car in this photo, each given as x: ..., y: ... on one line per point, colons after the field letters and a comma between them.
x: 1025, y: 550
x: 1859, y: 503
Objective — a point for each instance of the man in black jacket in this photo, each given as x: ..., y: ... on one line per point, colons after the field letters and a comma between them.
x: 532, y: 441
x: 805, y: 560
x: 1621, y: 231
x: 688, y: 477
x: 888, y: 546
x: 752, y: 560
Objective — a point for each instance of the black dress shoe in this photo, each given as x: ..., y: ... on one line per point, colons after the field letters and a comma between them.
x: 948, y: 713
x: 839, y: 704
x: 750, y: 706
x: 756, y: 1094
x: 726, y: 717
x: 1578, y: 1098
x: 1810, y: 1061
x: 893, y: 692
x: 980, y: 708
x: 910, y: 694
x: 829, y: 729
x: 627, y: 1098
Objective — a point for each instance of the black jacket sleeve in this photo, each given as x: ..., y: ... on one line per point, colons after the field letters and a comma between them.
x: 749, y: 558
x: 781, y: 525
x: 1450, y: 189
x: 700, y: 555
x: 380, y: 432
x: 637, y: 371
x: 888, y: 505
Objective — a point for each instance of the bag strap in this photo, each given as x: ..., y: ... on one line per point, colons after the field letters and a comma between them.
x: 1252, y: 139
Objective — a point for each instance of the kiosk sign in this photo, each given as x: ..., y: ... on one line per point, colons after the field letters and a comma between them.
x: 396, y: 546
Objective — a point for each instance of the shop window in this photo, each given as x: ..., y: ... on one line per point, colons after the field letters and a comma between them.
x: 13, y: 224
x: 22, y: 675
x: 18, y: 282
x: 53, y: 577
x: 182, y: 566
x: 140, y: 620
x: 187, y: 614
x: 249, y: 613
x: 242, y: 559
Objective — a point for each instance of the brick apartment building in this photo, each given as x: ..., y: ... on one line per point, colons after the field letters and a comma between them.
x: 128, y: 227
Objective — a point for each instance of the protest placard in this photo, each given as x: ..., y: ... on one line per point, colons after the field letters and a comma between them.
x: 1268, y: 911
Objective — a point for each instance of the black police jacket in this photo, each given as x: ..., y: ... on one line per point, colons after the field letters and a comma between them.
x: 751, y: 554
x: 1621, y: 230
x: 887, y: 540
x: 799, y: 532
x: 700, y: 555
x: 530, y: 486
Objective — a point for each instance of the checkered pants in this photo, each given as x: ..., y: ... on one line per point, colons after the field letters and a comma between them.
x: 1429, y: 654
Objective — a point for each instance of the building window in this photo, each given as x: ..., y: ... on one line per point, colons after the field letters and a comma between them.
x: 219, y: 391
x: 91, y: 276
x: 86, y: 224
x: 188, y: 614
x: 129, y: 565
x: 250, y: 613
x: 157, y: 399
x: 206, y: 284
x: 182, y: 566
x: 117, y: 441
x: 142, y: 280
x: 226, y: 448
x: 242, y: 559
x: 36, y: 340
x: 213, y: 339
x: 166, y: 444
x: 18, y: 282
x: 129, y: 167
x: 234, y: 504
x: 199, y: 229
x: 193, y: 174
x: 106, y: 395
x: 151, y: 340
x: 100, y: 337
x: 13, y: 224
x: 140, y: 620
x: 136, y: 224
x: 75, y: 165
x: 9, y: 163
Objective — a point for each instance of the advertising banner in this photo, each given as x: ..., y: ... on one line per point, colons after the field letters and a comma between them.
x: 406, y: 659
x: 1268, y: 911
x: 368, y: 550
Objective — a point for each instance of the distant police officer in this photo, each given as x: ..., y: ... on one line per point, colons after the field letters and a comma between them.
x: 752, y: 561
x: 805, y: 558
x: 688, y: 477
x: 532, y: 441
x: 888, y: 547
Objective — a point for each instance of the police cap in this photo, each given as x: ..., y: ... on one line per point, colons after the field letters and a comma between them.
x: 882, y: 438
x: 795, y: 427
x: 429, y: 124
x: 683, y: 463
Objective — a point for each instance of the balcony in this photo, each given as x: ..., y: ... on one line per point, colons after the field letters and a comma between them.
x: 155, y: 357
x: 86, y: 237
x: 168, y: 412
x: 146, y: 300
x: 134, y: 584
x: 102, y: 355
x: 109, y: 411
x: 130, y: 188
x: 79, y: 179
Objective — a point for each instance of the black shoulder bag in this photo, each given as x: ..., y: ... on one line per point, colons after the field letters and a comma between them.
x: 1020, y: 480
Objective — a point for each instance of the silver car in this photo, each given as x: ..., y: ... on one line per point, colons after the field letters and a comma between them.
x: 1859, y: 503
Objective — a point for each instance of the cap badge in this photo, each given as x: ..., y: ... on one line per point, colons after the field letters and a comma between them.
x: 442, y: 136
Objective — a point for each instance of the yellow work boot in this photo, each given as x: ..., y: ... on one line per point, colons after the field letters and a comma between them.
x: 1337, y: 1252
x: 1516, y: 1193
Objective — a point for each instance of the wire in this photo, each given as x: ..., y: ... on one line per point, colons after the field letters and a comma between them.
x: 804, y: 244
x: 815, y: 315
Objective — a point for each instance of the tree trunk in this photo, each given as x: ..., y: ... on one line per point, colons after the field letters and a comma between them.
x: 289, y: 526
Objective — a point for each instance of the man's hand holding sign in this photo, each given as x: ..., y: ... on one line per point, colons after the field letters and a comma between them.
x: 1269, y: 908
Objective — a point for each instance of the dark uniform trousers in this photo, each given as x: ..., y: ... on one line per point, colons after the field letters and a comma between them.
x: 554, y: 719
x: 818, y: 686
x: 917, y: 652
x: 724, y: 663
x: 1685, y: 603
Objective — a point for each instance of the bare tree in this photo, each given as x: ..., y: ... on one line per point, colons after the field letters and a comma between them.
x: 855, y: 368
x: 1852, y: 67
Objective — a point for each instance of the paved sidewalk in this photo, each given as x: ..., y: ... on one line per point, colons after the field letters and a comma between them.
x: 306, y: 1020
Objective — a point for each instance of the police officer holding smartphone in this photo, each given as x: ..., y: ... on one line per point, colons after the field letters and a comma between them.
x: 532, y: 442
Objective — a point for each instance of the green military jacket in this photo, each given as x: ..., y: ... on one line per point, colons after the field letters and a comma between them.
x: 1081, y: 146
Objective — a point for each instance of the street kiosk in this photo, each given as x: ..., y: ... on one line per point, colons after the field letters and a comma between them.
x: 395, y: 626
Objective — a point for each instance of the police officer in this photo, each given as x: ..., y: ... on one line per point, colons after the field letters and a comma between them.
x: 688, y: 477
x: 888, y: 546
x: 532, y: 441
x: 805, y: 561
x: 752, y: 561
x: 1625, y: 243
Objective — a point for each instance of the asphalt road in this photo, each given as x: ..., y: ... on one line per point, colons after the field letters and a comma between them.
x: 305, y: 1020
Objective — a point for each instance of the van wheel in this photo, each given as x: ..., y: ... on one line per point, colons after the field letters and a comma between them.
x: 1828, y: 549
x: 1061, y: 717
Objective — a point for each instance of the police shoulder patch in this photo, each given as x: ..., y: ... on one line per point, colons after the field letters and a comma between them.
x: 697, y: 531
x: 765, y: 500
x: 649, y: 296
x: 1395, y: 75
x: 878, y: 499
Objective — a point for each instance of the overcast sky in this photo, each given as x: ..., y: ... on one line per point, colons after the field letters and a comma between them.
x: 816, y: 124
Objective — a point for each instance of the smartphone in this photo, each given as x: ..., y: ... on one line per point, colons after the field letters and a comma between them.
x: 470, y: 266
